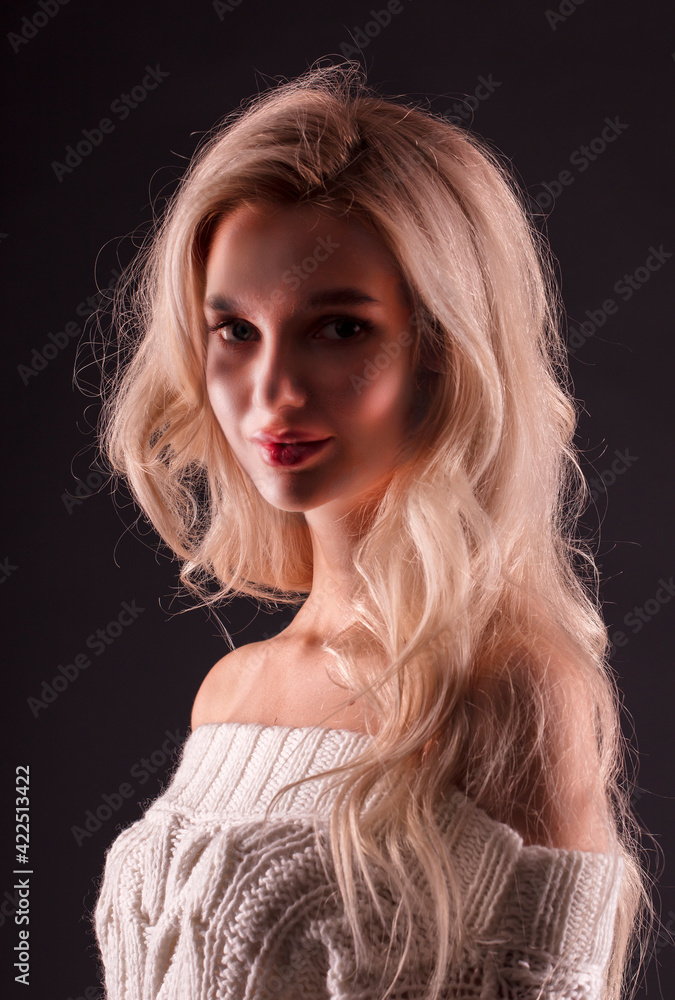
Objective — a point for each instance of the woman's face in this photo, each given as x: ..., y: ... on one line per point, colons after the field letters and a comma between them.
x: 309, y: 336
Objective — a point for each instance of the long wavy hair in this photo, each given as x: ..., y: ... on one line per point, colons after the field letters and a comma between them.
x: 476, y: 592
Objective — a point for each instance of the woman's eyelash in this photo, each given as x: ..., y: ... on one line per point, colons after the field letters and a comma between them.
x: 365, y: 325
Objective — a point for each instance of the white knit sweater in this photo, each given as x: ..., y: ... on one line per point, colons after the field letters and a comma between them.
x: 198, y: 900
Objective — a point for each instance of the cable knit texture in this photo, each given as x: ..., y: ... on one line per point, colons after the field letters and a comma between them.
x: 200, y: 900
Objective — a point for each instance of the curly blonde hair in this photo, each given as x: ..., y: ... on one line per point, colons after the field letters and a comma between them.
x: 474, y: 588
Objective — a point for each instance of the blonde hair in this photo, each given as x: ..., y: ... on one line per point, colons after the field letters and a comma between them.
x: 474, y: 589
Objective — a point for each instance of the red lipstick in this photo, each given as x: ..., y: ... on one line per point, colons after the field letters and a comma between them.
x: 277, y: 453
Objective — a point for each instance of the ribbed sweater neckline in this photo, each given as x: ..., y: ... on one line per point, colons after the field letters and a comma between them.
x: 228, y: 773
x: 233, y: 769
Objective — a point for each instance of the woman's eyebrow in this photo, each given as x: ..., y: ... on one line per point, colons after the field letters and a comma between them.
x: 340, y: 296
x: 329, y: 296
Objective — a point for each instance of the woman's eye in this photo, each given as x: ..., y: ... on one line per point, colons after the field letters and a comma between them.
x: 346, y: 328
x: 240, y: 330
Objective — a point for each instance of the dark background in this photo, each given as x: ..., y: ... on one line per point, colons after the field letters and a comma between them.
x: 539, y: 86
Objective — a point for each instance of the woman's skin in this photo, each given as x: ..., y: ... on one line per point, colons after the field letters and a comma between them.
x: 278, y: 358
x: 285, y: 362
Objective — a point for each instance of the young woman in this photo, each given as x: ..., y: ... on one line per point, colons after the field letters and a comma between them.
x: 347, y: 388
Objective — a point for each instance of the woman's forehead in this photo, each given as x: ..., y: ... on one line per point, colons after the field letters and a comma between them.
x: 261, y: 241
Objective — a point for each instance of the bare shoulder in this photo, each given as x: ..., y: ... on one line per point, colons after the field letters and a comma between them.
x: 556, y: 781
x: 221, y: 685
x: 577, y: 813
x: 278, y: 681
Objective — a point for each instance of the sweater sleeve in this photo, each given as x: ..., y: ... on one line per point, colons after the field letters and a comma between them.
x: 547, y: 936
x: 550, y: 935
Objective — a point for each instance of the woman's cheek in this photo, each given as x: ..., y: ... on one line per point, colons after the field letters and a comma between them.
x: 382, y: 393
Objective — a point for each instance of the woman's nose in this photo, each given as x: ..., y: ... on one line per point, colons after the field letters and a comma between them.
x: 279, y: 378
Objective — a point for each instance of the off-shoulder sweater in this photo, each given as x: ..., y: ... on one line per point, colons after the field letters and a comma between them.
x: 199, y: 899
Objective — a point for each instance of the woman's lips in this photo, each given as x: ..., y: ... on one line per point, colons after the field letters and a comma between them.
x: 291, y: 454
